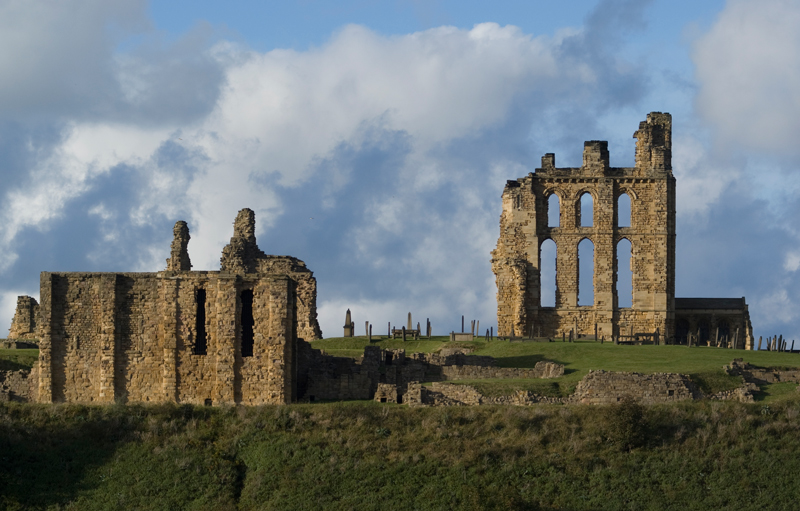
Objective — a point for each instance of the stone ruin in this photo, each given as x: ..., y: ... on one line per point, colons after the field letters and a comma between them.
x: 385, y: 374
x: 22, y: 334
x: 200, y: 337
x: 650, y: 186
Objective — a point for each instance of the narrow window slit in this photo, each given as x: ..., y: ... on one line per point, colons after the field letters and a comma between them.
x: 247, y: 323
x: 201, y: 341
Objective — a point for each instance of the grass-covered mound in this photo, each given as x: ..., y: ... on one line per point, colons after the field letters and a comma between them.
x: 706, y: 455
x: 703, y: 364
x: 13, y: 360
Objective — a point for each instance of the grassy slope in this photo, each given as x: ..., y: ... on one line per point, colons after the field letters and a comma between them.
x: 370, y: 456
x: 364, y: 455
x: 13, y: 360
x: 703, y: 364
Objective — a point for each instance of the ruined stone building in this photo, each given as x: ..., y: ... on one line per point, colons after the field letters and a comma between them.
x: 649, y: 187
x: 201, y: 337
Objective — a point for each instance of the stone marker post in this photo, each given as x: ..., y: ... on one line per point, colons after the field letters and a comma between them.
x: 370, y: 333
x: 409, y: 326
x: 759, y: 343
x: 404, y: 334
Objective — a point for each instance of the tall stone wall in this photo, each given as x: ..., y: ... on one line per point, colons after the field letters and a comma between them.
x: 524, y: 226
x: 201, y: 337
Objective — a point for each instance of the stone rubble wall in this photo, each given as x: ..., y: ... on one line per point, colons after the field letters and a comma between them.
x: 604, y: 387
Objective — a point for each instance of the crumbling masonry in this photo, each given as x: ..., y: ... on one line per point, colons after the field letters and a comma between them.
x: 524, y: 226
x: 201, y: 337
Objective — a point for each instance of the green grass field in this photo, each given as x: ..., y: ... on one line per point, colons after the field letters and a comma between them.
x: 703, y: 364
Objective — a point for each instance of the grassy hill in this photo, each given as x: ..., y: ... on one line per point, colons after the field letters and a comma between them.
x: 366, y: 455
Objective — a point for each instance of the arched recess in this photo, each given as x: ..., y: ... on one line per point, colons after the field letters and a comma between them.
x: 585, y: 272
x: 624, y: 274
x: 724, y: 329
x: 553, y: 211
x: 624, y: 210
x: 547, y: 268
x: 585, y: 210
x: 681, y: 331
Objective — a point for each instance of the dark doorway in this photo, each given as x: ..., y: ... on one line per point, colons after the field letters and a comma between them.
x: 247, y: 323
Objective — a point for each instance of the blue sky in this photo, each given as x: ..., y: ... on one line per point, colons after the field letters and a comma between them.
x: 373, y: 139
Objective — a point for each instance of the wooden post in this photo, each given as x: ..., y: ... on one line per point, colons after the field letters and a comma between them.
x: 716, y: 337
x: 389, y: 332
x: 370, y: 333
x: 491, y: 333
x: 462, y: 324
x: 759, y: 343
x: 595, y: 331
x: 404, y: 334
x: 477, y: 326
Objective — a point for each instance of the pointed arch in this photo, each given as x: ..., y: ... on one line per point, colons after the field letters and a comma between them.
x: 548, y: 267
x: 553, y: 210
x: 585, y: 210
x: 624, y: 204
x: 585, y: 272
x: 624, y: 286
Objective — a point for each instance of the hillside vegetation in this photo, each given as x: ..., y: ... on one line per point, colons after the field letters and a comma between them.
x: 365, y: 455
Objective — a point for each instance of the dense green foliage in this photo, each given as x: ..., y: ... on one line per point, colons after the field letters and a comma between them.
x: 704, y: 455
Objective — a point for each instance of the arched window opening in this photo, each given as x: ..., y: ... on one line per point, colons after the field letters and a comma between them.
x: 553, y: 211
x: 624, y: 210
x: 624, y: 274
x: 586, y: 210
x: 247, y: 323
x: 547, y: 268
x: 585, y: 272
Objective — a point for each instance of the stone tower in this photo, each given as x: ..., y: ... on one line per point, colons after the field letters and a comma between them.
x: 524, y: 226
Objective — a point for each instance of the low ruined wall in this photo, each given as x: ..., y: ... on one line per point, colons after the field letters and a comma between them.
x: 449, y: 394
x: 762, y: 375
x: 541, y: 370
x: 19, y: 385
x: 602, y: 387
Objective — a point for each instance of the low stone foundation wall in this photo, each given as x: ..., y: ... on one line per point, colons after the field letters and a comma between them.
x: 760, y: 375
x: 603, y: 387
x: 468, y: 372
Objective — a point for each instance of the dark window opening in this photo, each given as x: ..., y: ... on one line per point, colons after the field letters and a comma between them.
x: 311, y: 399
x: 399, y: 400
x: 383, y: 400
x: 671, y: 392
x: 207, y: 402
x: 388, y: 359
x: 201, y: 342
x: 247, y: 323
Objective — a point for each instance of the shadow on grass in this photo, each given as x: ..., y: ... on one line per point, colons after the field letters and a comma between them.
x: 44, y: 460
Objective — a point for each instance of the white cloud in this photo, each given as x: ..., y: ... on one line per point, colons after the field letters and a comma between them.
x: 748, y: 67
